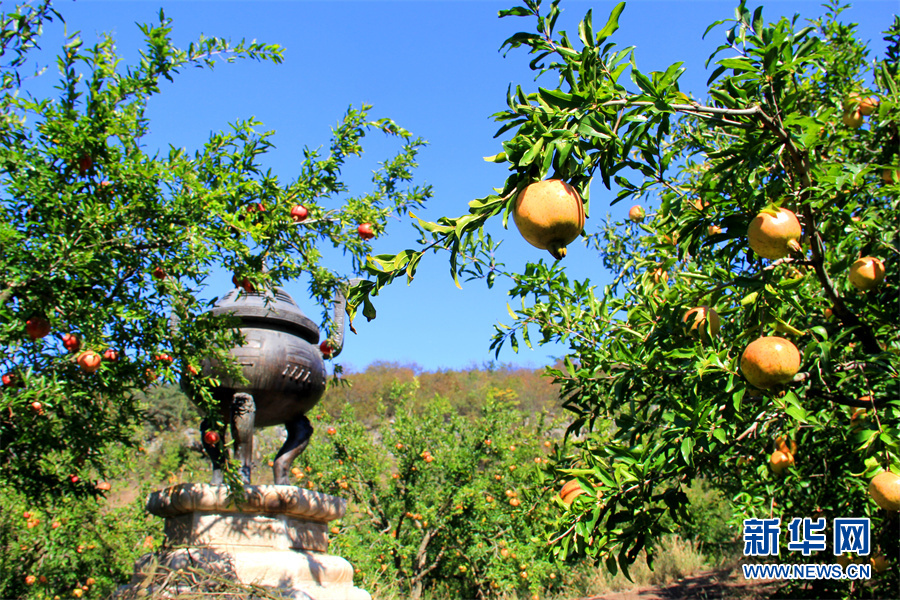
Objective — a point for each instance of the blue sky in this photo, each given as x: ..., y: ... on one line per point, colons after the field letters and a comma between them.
x: 434, y: 67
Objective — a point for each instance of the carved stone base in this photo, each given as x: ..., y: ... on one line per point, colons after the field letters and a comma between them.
x: 276, y: 537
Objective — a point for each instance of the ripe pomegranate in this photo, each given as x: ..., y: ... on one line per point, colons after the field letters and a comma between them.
x: 299, y: 213
x: 111, y: 355
x: 159, y: 273
x: 867, y: 273
x: 331, y: 431
x: 85, y: 162
x: 211, y: 438
x: 702, y: 318
x: 30, y: 579
x: 37, y: 407
x: 89, y: 361
x: 866, y: 106
x: 853, y: 119
x: 885, y: 490
x: 71, y: 342
x: 770, y: 361
x: 570, y: 491
x: 37, y: 327
x: 637, y: 214
x: 780, y: 461
x: 550, y: 215
x: 774, y: 236
x: 326, y: 349
x: 243, y: 283
x: 104, y: 486
x: 365, y: 231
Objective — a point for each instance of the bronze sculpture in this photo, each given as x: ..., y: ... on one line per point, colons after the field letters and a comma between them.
x: 285, y: 372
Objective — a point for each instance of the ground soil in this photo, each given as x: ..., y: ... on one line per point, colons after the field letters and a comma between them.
x: 724, y: 584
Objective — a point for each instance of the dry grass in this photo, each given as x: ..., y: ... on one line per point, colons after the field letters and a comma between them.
x: 191, y: 583
x: 675, y: 559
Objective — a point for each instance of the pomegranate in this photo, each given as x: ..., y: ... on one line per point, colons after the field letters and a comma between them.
x: 89, y: 361
x: 780, y: 461
x: 773, y: 234
x: 550, y: 215
x: 865, y: 106
x: 570, y: 491
x: 853, y: 119
x: 637, y: 214
x: 71, y: 342
x: 211, y: 438
x: 867, y: 273
x: 37, y: 327
x: 299, y: 213
x: 770, y: 361
x: 702, y: 318
x: 365, y: 231
x: 885, y: 490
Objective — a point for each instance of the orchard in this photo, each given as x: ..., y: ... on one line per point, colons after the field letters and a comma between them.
x: 749, y: 337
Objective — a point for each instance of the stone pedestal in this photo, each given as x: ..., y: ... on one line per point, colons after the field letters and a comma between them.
x: 277, y: 537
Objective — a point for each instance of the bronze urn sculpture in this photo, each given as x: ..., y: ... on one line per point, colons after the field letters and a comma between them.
x: 285, y: 372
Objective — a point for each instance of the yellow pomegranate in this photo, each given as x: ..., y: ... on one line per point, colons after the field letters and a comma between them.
x: 853, y: 119
x: 867, y: 273
x: 570, y: 491
x: 865, y: 106
x: 780, y: 461
x: 773, y: 236
x: 549, y: 215
x: 770, y: 361
x: 637, y: 214
x: 885, y: 490
x: 702, y: 318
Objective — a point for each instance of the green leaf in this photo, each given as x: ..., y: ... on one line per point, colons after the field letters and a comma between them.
x: 559, y: 99
x: 586, y: 30
x: 612, y: 24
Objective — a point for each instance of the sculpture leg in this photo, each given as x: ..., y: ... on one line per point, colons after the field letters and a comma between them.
x: 298, y: 433
x: 243, y: 419
x: 214, y: 452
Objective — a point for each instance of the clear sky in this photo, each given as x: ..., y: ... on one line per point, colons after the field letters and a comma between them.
x: 434, y: 67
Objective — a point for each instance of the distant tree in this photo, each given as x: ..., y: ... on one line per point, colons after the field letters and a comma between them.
x: 796, y: 118
x: 441, y: 503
